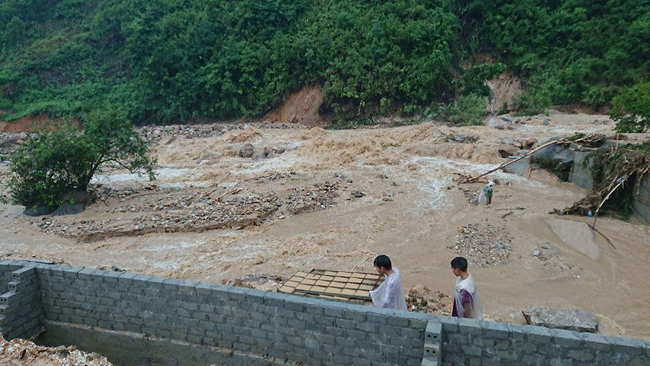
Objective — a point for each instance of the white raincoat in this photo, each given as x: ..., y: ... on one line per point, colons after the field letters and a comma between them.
x: 481, y: 197
x: 390, y: 293
x: 469, y: 286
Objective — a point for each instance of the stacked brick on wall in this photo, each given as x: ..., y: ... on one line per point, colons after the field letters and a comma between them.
x: 20, y: 307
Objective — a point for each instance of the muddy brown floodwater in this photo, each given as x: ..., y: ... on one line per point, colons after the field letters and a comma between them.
x: 335, y: 199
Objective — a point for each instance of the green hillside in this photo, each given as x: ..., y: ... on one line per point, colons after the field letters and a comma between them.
x: 167, y: 61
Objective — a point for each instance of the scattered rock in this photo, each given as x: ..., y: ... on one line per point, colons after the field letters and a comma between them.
x: 483, y: 245
x: 510, y: 141
x: 165, y: 135
x: 569, y: 319
x: 357, y: 194
x: 315, y: 197
x: 423, y: 300
x: 546, y: 122
x: 247, y: 150
x: 506, y: 118
x: 196, y: 211
x: 545, y: 252
x: 262, y: 282
x: 22, y: 352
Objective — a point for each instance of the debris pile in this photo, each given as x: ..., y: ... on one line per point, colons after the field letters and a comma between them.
x: 196, y: 211
x: 166, y: 134
x: 155, y: 134
x: 260, y: 282
x: 317, y: 196
x: 9, y: 142
x: 613, y: 168
x: 23, y: 352
x: 423, y: 300
x: 483, y: 245
x: 182, y: 215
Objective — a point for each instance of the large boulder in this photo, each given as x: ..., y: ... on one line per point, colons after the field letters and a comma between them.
x: 520, y: 168
x: 558, y: 153
x: 497, y: 123
x: 556, y: 318
x: 247, y: 150
x: 510, y: 141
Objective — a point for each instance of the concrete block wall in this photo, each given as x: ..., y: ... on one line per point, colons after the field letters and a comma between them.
x: 21, y: 313
x: 263, y: 324
x: 642, y: 200
x: 472, y: 342
x: 581, y: 176
x: 175, y: 322
x: 581, y: 171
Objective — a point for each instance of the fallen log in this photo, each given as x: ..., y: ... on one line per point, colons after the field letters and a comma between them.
x: 470, y: 180
x: 587, y: 140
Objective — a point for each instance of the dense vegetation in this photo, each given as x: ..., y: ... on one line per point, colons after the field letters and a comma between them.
x: 163, y: 61
x: 51, y: 165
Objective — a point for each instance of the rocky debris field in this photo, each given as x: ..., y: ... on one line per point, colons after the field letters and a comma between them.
x: 167, y: 134
x: 9, y: 143
x: 314, y: 197
x: 26, y: 353
x: 553, y: 263
x: 483, y: 245
x: 182, y: 211
x: 423, y: 300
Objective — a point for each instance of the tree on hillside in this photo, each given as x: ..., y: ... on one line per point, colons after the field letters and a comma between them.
x: 631, y: 109
x: 52, y: 165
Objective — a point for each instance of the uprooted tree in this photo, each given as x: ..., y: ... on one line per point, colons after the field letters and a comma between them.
x: 52, y: 165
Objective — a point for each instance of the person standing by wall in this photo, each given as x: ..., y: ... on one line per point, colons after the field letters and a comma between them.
x: 390, y: 293
x: 466, y: 301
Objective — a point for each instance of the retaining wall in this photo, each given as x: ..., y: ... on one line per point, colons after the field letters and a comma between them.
x: 642, y: 200
x: 144, y: 320
x: 581, y: 176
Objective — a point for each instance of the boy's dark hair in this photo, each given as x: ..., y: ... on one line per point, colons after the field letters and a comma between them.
x: 383, y: 261
x: 459, y: 263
